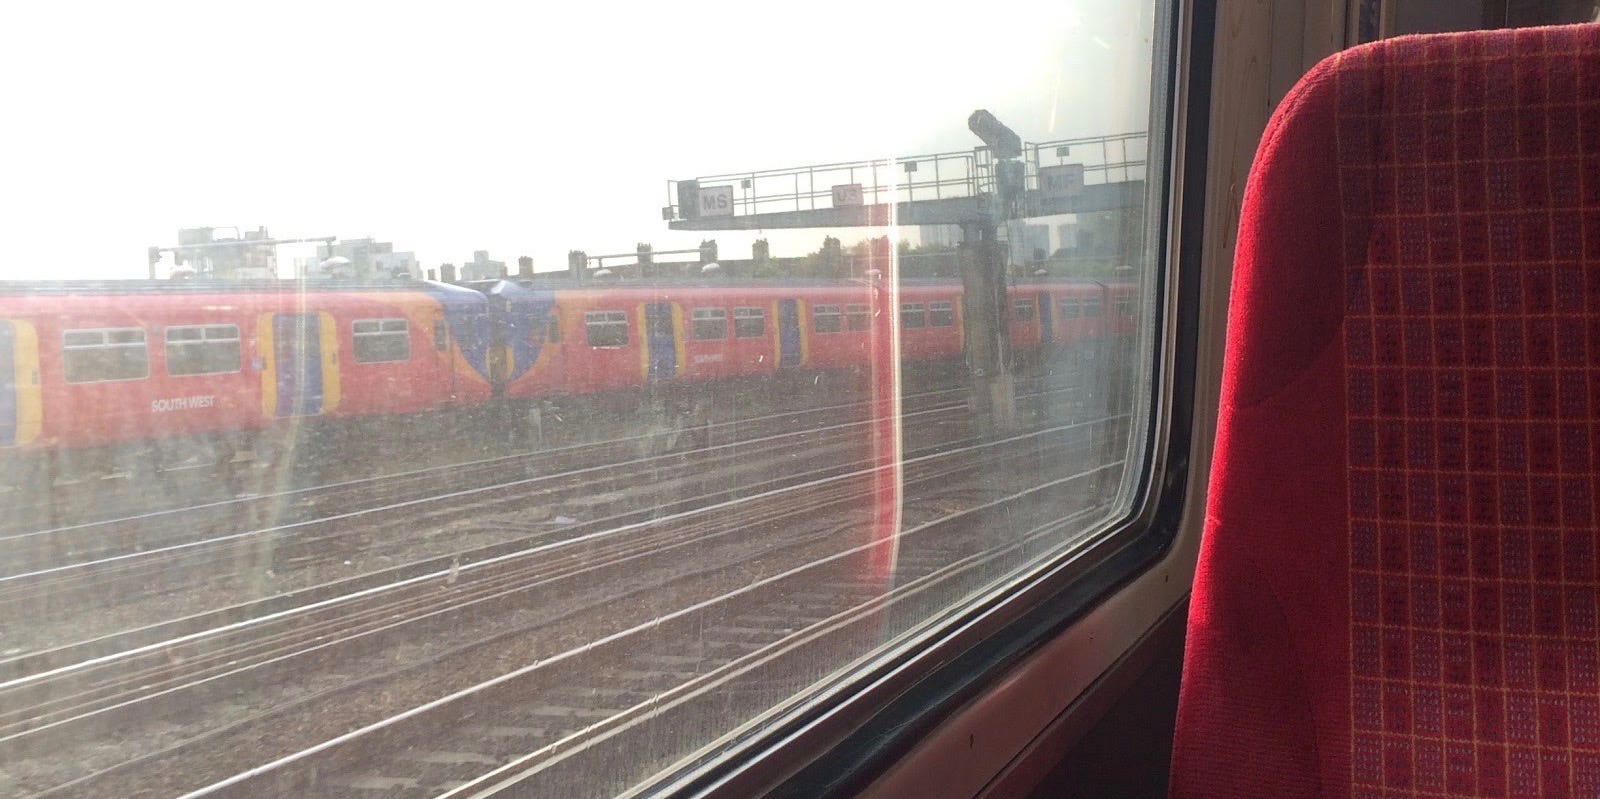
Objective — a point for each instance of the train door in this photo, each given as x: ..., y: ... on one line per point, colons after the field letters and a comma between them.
x: 8, y: 386
x: 788, y: 333
x: 1047, y: 315
x: 297, y: 360
x: 661, y: 340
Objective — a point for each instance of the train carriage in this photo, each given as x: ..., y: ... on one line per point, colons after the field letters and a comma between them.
x: 109, y: 367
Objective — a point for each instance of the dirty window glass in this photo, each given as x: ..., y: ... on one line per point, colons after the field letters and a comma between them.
x: 91, y: 356
x: 421, y: 401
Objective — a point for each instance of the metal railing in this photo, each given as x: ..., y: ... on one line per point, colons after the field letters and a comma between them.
x: 935, y: 176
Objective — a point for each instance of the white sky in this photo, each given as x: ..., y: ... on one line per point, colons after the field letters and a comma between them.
x: 524, y: 129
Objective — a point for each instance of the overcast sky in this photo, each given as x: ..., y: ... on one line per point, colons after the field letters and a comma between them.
x: 529, y: 129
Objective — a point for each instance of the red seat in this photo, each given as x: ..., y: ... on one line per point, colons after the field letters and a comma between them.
x: 1397, y: 591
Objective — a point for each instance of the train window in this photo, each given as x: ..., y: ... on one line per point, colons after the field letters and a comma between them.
x: 1091, y: 306
x: 570, y: 567
x: 94, y: 356
x: 1124, y: 306
x: 1070, y: 308
x: 202, y: 349
x: 749, y: 323
x: 857, y: 317
x: 825, y: 319
x: 710, y: 323
x: 911, y: 315
x: 381, y: 340
x: 606, y: 328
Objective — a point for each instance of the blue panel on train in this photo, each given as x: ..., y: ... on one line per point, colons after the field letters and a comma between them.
x: 297, y: 352
x: 523, y: 315
x: 663, y: 340
x: 466, y: 312
x: 788, y: 333
x: 8, y: 386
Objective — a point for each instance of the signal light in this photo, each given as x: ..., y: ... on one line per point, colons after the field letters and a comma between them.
x: 1003, y: 141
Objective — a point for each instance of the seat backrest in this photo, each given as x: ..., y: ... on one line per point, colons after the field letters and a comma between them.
x: 1397, y: 590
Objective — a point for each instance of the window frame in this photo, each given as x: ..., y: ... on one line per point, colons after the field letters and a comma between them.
x: 356, y: 336
x: 1020, y: 316
x: 941, y: 307
x: 695, y: 320
x: 604, y: 318
x: 851, y: 737
x: 834, y: 312
x: 143, y: 344
x: 746, y: 313
x: 920, y: 311
x: 167, y: 344
x: 854, y: 311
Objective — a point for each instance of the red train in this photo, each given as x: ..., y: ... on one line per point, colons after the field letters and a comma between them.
x: 115, y: 367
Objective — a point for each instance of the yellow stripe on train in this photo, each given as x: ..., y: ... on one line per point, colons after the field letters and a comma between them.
x: 29, y: 395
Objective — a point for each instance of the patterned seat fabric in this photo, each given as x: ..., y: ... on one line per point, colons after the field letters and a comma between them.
x: 1397, y: 593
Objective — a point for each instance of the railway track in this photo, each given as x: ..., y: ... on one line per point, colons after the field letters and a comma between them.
x: 207, y: 668
x: 138, y: 589
x: 663, y: 560
x: 32, y: 550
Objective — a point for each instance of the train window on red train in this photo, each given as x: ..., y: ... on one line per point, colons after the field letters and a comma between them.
x: 95, y: 356
x: 826, y: 319
x: 941, y: 314
x: 381, y: 340
x: 749, y: 323
x: 1091, y: 306
x: 202, y: 349
x: 1022, y: 311
x: 1124, y: 306
x: 1071, y: 308
x: 911, y: 315
x: 858, y: 317
x: 606, y: 328
x: 710, y: 323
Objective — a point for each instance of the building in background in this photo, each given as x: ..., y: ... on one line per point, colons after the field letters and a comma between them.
x: 224, y: 253
x: 1029, y: 244
x: 368, y: 258
x: 481, y: 268
x: 939, y: 235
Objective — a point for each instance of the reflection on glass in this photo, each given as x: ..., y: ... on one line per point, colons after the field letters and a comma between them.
x: 300, y: 511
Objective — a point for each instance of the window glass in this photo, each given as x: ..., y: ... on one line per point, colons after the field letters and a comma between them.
x: 606, y: 328
x: 825, y: 319
x: 1091, y: 306
x: 911, y: 315
x: 749, y: 323
x: 381, y: 340
x: 568, y: 568
x: 710, y: 323
x: 858, y: 317
x: 93, y: 356
x: 202, y: 349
